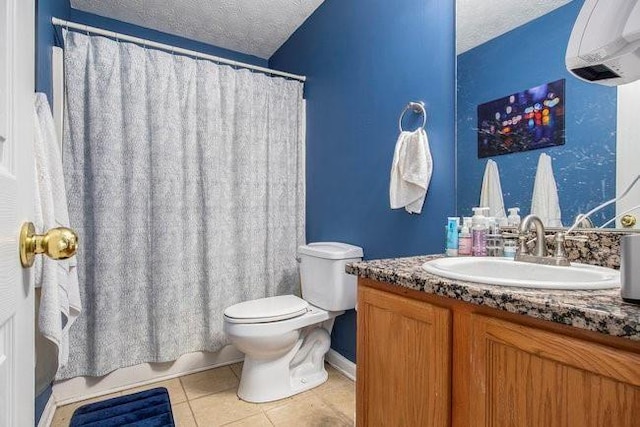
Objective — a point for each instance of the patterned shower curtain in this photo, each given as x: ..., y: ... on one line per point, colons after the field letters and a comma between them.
x: 186, y: 186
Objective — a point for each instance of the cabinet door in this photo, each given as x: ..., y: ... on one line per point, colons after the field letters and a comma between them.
x: 532, y: 378
x: 403, y: 361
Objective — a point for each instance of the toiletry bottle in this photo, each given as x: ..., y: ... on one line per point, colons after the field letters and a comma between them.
x: 464, y: 239
x: 479, y: 233
x: 513, y: 220
x: 509, y: 248
x: 452, y: 236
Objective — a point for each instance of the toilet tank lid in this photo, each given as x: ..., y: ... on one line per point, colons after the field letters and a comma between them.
x: 331, y: 250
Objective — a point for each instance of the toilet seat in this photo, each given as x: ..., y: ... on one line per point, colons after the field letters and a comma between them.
x: 266, y: 310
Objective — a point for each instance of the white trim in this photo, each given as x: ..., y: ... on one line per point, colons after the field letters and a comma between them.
x: 47, y: 414
x: 169, y: 48
x: 82, y: 388
x: 627, y: 149
x: 341, y: 363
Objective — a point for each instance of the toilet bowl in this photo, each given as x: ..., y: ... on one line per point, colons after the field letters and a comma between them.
x: 285, y: 338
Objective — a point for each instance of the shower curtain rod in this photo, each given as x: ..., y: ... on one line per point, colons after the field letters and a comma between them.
x: 149, y: 43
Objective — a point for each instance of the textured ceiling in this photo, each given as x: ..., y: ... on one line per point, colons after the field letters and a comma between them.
x: 254, y: 27
x: 478, y: 21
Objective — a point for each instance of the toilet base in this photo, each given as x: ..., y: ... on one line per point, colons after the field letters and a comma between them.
x: 301, y: 369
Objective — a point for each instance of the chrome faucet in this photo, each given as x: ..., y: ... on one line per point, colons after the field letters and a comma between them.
x: 523, y: 236
x: 540, y: 252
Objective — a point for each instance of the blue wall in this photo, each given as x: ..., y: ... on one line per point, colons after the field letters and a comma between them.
x: 365, y: 59
x: 528, y: 56
x: 46, y: 37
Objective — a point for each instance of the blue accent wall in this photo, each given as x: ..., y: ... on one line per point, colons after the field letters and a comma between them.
x: 534, y: 54
x: 365, y: 60
x: 47, y: 36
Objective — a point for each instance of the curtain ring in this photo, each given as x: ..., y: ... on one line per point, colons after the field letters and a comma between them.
x: 86, y: 30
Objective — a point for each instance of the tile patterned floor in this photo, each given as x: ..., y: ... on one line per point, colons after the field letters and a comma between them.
x: 208, y: 399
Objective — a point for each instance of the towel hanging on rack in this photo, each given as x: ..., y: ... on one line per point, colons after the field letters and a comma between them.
x: 491, y: 191
x: 545, y: 202
x: 412, y: 166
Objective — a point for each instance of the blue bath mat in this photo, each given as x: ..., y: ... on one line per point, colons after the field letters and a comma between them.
x: 150, y: 408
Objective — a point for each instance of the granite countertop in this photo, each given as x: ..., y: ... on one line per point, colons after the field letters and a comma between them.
x: 600, y: 311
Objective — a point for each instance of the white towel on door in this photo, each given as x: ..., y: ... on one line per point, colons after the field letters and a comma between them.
x: 545, y: 202
x: 59, y: 299
x: 411, y: 171
x: 491, y: 192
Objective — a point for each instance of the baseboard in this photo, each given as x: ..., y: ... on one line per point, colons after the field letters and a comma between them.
x: 47, y: 414
x: 81, y: 388
x: 341, y: 363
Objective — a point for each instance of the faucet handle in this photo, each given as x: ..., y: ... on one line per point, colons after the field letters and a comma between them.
x: 560, y: 238
x: 560, y: 253
x: 582, y: 239
x: 509, y: 235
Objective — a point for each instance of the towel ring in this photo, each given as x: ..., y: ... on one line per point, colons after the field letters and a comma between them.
x: 416, y: 107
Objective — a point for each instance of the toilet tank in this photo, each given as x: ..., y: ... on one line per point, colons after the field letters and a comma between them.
x: 324, y: 281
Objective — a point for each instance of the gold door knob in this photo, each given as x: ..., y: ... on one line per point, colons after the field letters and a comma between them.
x: 57, y: 243
x: 628, y: 221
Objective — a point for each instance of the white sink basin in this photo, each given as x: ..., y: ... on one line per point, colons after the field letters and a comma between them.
x: 507, y: 272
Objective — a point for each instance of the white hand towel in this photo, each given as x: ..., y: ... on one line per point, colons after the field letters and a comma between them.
x: 59, y: 302
x: 545, y: 203
x: 411, y: 171
x: 491, y: 193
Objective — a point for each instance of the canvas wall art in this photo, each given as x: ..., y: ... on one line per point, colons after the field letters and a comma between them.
x: 527, y: 120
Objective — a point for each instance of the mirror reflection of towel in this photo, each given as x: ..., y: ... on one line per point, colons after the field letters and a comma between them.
x: 411, y: 171
x: 491, y: 193
x: 545, y: 203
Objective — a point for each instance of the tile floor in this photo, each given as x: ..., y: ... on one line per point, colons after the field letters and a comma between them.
x: 208, y: 399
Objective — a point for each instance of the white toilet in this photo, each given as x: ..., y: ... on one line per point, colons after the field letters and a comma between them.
x: 285, y: 338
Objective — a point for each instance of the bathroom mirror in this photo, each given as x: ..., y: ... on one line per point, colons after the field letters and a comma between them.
x: 506, y: 47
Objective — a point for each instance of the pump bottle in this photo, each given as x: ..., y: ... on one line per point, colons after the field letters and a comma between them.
x: 479, y: 232
x: 464, y: 239
x: 513, y: 220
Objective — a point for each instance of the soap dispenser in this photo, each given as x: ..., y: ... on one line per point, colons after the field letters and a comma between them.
x: 513, y: 220
x: 479, y: 232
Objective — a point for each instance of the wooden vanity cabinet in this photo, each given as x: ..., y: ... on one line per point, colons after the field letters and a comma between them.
x: 404, y: 384
x: 430, y: 361
x: 522, y: 376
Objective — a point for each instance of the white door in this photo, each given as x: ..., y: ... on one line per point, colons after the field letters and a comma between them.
x: 628, y: 153
x: 16, y: 206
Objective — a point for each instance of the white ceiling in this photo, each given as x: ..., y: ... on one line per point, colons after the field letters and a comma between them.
x: 478, y: 21
x: 254, y: 27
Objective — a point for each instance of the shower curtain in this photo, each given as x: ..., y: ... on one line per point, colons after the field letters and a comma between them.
x: 186, y: 186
